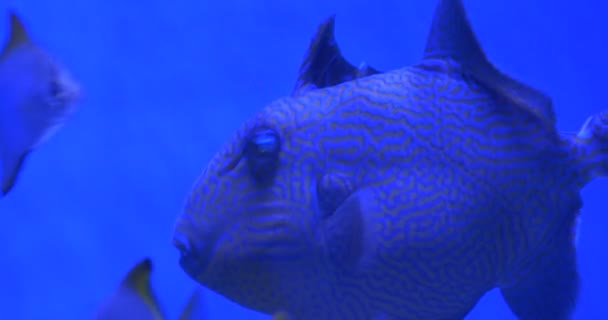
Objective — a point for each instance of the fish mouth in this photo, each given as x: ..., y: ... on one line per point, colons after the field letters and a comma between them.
x: 258, y: 260
x: 193, y: 259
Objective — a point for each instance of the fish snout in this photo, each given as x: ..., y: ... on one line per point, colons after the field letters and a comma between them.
x: 69, y: 89
x: 182, y: 243
x: 73, y: 92
x: 194, y: 257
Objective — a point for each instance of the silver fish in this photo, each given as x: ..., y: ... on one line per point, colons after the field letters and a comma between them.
x: 37, y: 96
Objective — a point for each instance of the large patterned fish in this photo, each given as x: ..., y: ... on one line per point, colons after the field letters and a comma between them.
x: 37, y: 96
x: 407, y: 194
x: 135, y: 299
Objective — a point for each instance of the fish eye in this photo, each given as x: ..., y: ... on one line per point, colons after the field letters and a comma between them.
x: 262, y: 154
x: 55, y: 90
x: 53, y: 95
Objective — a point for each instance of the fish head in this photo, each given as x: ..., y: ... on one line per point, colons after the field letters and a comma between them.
x: 37, y: 95
x: 252, y: 228
x: 37, y: 88
x: 37, y: 92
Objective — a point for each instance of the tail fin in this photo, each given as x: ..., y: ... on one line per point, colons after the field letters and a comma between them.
x: 589, y: 147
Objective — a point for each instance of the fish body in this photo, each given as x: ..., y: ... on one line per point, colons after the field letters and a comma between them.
x: 405, y: 194
x: 280, y: 316
x: 37, y: 96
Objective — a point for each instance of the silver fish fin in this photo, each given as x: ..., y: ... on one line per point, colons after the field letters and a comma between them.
x: 451, y: 36
x: 11, y: 168
x: 18, y: 35
x: 138, y: 280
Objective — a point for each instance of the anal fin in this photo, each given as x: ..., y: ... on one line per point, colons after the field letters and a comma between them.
x: 550, y: 290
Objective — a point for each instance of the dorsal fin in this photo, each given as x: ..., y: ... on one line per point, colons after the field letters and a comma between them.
x: 18, y: 35
x: 451, y: 36
x: 138, y: 280
x: 324, y: 65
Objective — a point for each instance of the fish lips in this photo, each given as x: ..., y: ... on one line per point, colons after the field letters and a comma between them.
x: 194, y: 260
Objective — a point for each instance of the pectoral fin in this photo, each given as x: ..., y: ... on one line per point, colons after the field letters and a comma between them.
x: 346, y: 233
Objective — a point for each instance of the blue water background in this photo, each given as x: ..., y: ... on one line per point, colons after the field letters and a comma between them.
x: 166, y: 83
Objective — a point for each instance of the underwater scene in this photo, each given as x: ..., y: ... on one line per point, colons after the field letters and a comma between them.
x: 317, y: 160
